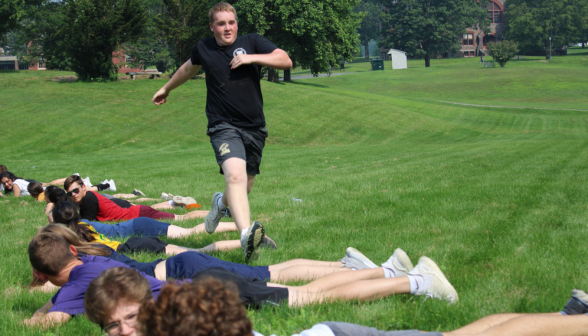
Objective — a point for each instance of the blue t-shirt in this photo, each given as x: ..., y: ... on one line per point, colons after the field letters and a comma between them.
x: 70, y: 298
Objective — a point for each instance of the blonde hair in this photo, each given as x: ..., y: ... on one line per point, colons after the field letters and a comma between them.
x: 221, y: 7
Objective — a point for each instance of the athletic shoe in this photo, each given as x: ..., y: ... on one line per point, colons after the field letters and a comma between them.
x: 214, y: 216
x: 227, y: 213
x: 269, y: 243
x: 167, y: 197
x: 251, y: 241
x: 436, y: 284
x: 578, y: 304
x: 87, y: 182
x: 399, y: 263
x: 356, y: 260
x: 138, y: 192
x: 188, y: 202
x: 112, y: 185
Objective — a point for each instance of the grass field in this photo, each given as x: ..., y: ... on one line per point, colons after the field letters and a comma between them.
x: 497, y: 196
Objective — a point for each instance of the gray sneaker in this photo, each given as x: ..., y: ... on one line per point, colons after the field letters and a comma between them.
x: 356, y: 260
x: 251, y: 241
x: 214, y: 216
x: 227, y: 213
x: 167, y: 197
x: 269, y: 243
x: 578, y: 304
x: 138, y: 192
x: 399, y: 263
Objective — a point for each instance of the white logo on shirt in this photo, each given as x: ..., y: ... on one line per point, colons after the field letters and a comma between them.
x: 239, y: 51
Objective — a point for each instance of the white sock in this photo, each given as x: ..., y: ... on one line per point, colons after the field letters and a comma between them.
x: 417, y: 281
x: 388, y: 273
x: 221, y: 205
x: 244, y: 232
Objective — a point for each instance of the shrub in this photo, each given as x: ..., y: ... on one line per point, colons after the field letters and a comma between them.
x: 503, y: 51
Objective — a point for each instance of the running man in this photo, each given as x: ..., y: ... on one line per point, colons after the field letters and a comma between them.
x: 234, y: 108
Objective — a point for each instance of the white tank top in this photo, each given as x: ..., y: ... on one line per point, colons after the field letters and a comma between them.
x: 22, y: 184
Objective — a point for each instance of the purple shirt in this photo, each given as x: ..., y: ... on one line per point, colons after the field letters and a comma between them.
x: 70, y: 298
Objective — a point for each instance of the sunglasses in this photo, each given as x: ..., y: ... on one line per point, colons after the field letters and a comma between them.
x: 75, y: 191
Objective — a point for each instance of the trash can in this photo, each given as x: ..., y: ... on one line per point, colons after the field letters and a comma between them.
x: 377, y: 64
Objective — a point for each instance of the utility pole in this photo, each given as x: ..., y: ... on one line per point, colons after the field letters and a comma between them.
x: 549, y: 47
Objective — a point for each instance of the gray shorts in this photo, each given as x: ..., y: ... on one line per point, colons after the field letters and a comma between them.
x: 350, y: 329
x: 229, y: 141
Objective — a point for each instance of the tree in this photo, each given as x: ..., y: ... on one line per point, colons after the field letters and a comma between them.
x: 12, y: 12
x: 315, y: 33
x: 182, y: 23
x: 427, y: 28
x: 531, y: 23
x: 94, y: 29
x: 370, y: 24
x: 503, y: 51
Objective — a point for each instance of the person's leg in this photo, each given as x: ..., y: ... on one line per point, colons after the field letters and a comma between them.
x: 236, y: 190
x: 58, y: 182
x: 125, y: 196
x: 304, y: 262
x: 553, y: 324
x: 304, y: 273
x: 335, y: 280
x: 192, y: 214
x: 174, y: 231
x: 359, y: 290
x: 220, y: 246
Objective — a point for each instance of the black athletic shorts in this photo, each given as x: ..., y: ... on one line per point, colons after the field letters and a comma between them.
x: 252, y: 292
x: 141, y: 244
x: 229, y: 141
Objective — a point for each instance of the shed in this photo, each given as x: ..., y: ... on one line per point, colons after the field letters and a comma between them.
x: 398, y: 59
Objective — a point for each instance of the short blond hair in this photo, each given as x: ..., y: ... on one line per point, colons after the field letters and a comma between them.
x: 221, y: 7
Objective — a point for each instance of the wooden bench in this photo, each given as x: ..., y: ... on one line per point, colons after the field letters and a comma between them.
x: 152, y: 74
x: 488, y: 64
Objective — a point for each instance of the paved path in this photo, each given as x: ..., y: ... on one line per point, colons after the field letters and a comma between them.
x: 514, y: 107
x: 320, y: 75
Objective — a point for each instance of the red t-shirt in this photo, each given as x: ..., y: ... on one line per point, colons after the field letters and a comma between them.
x: 97, y: 207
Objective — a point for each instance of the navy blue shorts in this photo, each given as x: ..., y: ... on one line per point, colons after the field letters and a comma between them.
x: 186, y: 265
x: 141, y: 226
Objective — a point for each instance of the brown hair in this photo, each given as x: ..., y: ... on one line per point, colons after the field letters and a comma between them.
x: 221, y: 7
x: 67, y: 213
x: 72, y: 179
x: 49, y: 253
x: 206, y: 307
x: 3, y: 169
x: 72, y: 239
x: 117, y: 284
x: 35, y: 189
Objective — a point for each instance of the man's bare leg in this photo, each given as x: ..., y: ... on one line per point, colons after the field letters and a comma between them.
x: 304, y: 262
x: 358, y: 290
x: 238, y: 186
x: 174, y: 231
x: 335, y: 280
x: 221, y: 246
x: 553, y: 324
x: 303, y: 272
x: 192, y: 214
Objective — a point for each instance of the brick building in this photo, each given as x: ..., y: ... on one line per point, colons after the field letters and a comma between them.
x: 474, y: 41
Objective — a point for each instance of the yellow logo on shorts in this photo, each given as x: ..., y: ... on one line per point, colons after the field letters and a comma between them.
x: 224, y: 149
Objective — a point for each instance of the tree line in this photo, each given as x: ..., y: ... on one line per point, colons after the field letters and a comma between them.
x: 81, y: 35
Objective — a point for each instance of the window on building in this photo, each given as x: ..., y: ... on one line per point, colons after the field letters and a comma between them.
x: 468, y: 39
x: 128, y: 60
x: 494, y: 12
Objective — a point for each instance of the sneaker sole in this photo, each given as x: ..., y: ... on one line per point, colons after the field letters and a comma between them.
x: 355, y: 254
x: 210, y: 223
x: 256, y: 235
x: 404, y: 259
x: 440, y: 276
x: 269, y: 243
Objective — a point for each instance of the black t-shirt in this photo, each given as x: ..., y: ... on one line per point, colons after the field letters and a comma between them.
x: 233, y: 95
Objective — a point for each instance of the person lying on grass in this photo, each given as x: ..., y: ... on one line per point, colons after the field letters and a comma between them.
x: 211, y: 307
x: 66, y: 213
x: 187, y: 264
x: 54, y: 260
x: 37, y: 191
x: 19, y: 187
x: 94, y: 206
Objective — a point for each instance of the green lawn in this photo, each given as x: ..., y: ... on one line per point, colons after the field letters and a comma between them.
x: 497, y: 196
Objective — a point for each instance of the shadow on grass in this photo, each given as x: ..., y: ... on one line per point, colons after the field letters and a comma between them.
x: 308, y: 84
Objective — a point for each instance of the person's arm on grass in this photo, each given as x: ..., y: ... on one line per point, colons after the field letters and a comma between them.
x: 277, y: 59
x: 43, y: 319
x: 48, y: 208
x: 185, y: 72
x: 16, y: 190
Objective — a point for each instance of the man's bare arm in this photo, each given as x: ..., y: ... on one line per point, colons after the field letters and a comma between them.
x: 185, y: 72
x: 43, y: 319
x: 277, y: 59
